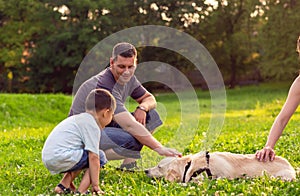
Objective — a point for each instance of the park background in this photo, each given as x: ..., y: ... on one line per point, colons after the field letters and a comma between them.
x: 43, y: 43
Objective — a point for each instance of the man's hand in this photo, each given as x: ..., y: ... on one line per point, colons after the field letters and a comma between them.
x: 267, y: 153
x: 140, y: 116
x: 169, y: 152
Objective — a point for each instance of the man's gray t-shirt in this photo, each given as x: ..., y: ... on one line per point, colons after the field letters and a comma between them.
x: 65, y: 144
x: 106, y: 80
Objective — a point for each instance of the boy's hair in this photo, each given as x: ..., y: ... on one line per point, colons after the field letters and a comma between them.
x: 99, y: 99
x: 123, y: 49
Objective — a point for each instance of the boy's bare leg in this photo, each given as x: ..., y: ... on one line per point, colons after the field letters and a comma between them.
x: 85, y: 182
x: 73, y: 187
x: 67, y: 181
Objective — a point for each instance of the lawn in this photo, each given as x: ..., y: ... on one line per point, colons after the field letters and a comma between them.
x: 26, y: 120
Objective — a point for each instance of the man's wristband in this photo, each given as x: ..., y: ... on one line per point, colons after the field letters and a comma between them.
x: 142, y: 108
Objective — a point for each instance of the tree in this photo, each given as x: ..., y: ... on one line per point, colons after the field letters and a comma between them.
x: 73, y: 28
x: 228, y: 31
x: 18, y: 23
x: 278, y: 36
x: 44, y: 42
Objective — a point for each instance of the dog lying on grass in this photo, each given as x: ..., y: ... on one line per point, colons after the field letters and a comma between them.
x: 220, y: 165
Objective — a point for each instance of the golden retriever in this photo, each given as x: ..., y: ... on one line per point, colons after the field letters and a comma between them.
x: 220, y: 165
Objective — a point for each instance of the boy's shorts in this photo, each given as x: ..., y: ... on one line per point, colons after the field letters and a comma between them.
x: 84, y: 161
x: 123, y: 143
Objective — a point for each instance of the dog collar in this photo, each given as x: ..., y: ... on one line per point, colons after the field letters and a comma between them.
x: 199, y: 171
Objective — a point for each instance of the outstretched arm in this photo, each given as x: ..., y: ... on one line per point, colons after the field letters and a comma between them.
x: 281, y: 121
x: 128, y: 122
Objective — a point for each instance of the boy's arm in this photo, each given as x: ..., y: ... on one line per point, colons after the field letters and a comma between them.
x: 94, y: 166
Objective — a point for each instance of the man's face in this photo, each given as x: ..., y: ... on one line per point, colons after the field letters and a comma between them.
x: 123, y: 68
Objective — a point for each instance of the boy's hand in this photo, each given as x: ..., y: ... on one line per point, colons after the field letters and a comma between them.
x: 169, y: 152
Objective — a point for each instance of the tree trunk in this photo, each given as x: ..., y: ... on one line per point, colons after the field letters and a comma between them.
x: 232, y: 81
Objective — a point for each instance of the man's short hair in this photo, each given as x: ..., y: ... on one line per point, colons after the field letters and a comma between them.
x: 99, y: 99
x: 123, y: 49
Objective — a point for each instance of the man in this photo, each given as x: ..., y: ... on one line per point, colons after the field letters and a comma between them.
x: 127, y: 133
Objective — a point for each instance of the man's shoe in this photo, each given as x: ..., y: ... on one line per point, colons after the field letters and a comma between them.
x: 129, y: 166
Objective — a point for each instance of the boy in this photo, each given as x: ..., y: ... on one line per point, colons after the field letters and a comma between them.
x: 73, y: 145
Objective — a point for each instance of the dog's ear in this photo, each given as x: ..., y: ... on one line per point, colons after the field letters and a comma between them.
x: 172, y: 176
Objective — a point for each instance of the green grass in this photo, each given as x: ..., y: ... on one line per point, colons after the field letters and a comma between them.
x: 32, y: 111
x: 26, y: 120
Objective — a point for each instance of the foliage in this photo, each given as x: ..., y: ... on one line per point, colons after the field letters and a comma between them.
x: 250, y: 113
x: 19, y: 22
x: 233, y: 47
x: 72, y: 31
x: 278, y: 33
x: 43, y: 42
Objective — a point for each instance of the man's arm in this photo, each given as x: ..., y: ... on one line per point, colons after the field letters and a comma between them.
x: 128, y: 122
x: 147, y: 101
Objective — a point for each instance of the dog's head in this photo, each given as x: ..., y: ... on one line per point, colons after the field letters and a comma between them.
x: 178, y: 169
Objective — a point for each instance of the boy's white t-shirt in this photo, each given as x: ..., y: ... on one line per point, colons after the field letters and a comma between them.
x: 65, y: 144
